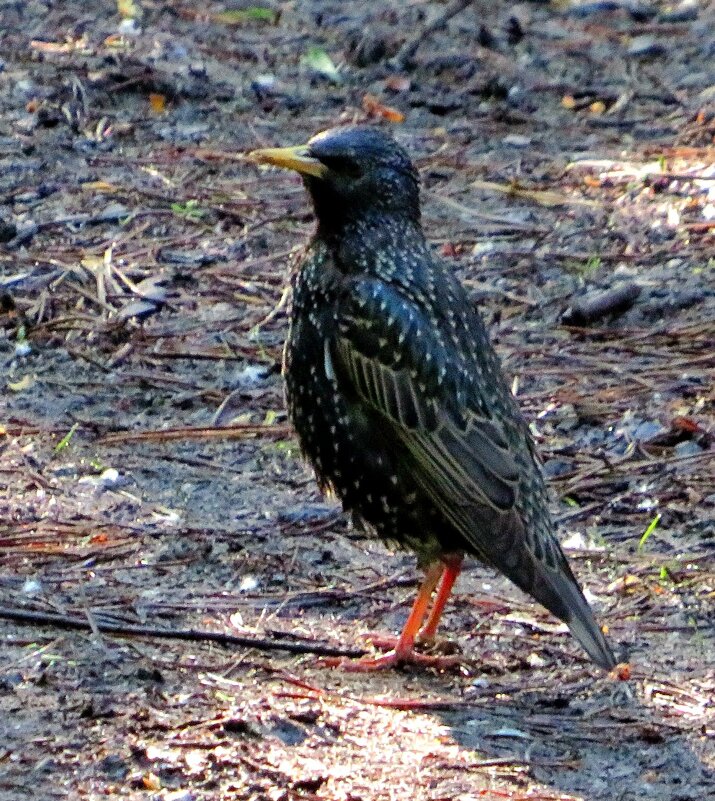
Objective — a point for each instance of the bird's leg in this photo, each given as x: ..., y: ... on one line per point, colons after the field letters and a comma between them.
x: 452, y: 569
x: 417, y: 614
x: 403, y: 651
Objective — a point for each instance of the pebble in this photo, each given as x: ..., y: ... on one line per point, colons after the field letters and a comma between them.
x: 307, y: 513
x: 32, y: 587
x: 645, y: 47
x: 647, y: 430
x: 266, y: 84
x: 251, y: 376
x: 687, y: 448
x: 686, y: 12
x: 248, y: 583
x: 109, y: 477
x: 179, y: 795
x: 588, y: 9
x: 128, y: 27
x: 517, y: 140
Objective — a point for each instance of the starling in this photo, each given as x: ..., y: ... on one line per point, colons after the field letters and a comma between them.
x: 398, y: 397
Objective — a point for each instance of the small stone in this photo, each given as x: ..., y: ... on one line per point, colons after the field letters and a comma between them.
x: 128, y: 27
x: 517, y: 140
x: 180, y: 795
x: 307, y: 513
x: 109, y: 477
x: 266, y: 84
x: 251, y: 376
x: 687, y: 448
x: 32, y: 587
x: 645, y: 47
x: 648, y: 430
x: 68, y: 470
x: 114, y: 766
x: 248, y: 583
x: 685, y: 12
x: 535, y: 660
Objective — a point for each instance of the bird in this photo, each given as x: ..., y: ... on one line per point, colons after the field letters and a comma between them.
x: 399, y: 400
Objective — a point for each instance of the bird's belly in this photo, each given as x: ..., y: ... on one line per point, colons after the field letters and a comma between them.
x: 356, y: 456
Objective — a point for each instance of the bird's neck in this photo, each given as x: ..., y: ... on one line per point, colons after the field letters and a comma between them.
x: 362, y: 240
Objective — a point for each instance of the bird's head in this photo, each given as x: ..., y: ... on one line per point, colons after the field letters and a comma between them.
x: 352, y: 173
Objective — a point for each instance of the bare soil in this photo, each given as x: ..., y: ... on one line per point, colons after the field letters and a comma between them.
x: 148, y: 476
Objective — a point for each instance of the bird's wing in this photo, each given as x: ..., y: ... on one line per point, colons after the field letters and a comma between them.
x: 398, y: 361
x: 393, y: 357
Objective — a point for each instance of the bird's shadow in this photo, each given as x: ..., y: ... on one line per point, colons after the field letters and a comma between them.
x: 601, y: 743
x: 567, y: 725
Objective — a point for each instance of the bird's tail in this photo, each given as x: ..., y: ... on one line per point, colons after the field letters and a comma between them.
x: 585, y: 629
x: 541, y: 570
x: 559, y: 592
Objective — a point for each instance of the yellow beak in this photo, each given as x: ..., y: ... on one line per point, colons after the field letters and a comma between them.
x: 291, y: 158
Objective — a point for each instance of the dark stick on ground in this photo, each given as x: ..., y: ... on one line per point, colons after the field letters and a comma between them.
x: 590, y: 308
x: 259, y: 643
x: 409, y: 48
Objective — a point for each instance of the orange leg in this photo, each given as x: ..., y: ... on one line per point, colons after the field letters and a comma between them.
x: 452, y: 569
x: 403, y: 651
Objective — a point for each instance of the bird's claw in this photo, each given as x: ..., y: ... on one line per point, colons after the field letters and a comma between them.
x: 395, y: 656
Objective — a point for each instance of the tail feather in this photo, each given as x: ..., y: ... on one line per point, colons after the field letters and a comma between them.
x: 538, y: 566
x: 589, y: 634
x: 558, y: 590
x: 570, y: 605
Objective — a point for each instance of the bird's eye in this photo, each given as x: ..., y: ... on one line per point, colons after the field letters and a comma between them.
x: 342, y: 165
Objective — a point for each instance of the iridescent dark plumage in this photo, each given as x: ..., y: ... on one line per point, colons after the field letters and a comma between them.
x: 395, y: 391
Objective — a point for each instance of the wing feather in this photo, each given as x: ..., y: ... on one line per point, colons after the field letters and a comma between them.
x: 413, y: 383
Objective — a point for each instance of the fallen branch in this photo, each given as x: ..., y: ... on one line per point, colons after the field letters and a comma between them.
x: 602, y: 304
x: 200, y: 432
x: 409, y: 48
x: 259, y: 643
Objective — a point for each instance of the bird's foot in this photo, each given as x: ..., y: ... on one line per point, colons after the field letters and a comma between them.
x: 395, y: 658
x: 397, y: 654
x: 391, y: 642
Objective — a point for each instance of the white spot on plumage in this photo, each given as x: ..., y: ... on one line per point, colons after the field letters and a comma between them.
x: 328, y: 362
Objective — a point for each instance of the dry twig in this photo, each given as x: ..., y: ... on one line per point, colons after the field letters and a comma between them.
x: 29, y: 616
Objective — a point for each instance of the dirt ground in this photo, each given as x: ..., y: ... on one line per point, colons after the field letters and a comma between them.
x: 148, y: 475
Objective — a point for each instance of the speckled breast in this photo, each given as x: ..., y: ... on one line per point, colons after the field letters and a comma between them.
x: 353, y: 455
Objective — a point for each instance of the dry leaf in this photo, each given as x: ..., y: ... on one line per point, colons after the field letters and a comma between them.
x: 157, y: 103
x: 99, y: 186
x: 151, y: 781
x: 129, y: 9
x: 24, y: 383
x: 375, y: 108
x: 397, y: 83
x: 625, y: 585
x: 543, y: 197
